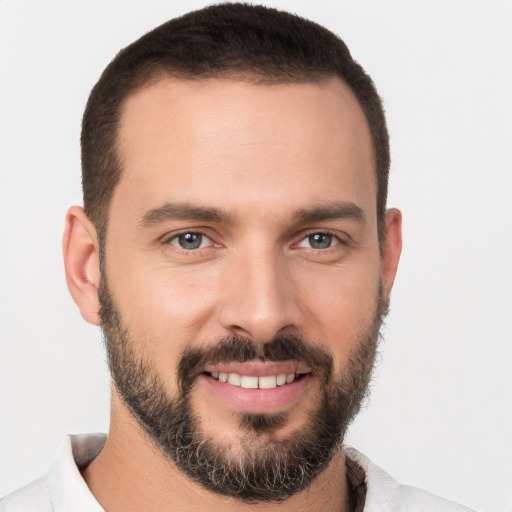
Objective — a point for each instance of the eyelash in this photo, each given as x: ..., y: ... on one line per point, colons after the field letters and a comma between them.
x: 176, y: 236
x: 335, y: 235
x: 304, y: 237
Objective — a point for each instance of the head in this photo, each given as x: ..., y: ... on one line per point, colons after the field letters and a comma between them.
x: 235, y: 245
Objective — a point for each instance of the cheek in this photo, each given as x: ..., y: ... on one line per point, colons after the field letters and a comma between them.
x: 342, y: 307
x: 167, y: 308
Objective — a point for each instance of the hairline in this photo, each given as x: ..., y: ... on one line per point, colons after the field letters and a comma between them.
x: 160, y: 73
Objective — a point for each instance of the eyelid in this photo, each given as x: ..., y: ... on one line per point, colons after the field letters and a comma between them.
x: 168, y: 238
x: 174, y: 234
x: 323, y: 231
x: 340, y: 237
x: 205, y: 238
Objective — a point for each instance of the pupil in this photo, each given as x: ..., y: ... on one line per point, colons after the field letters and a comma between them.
x: 320, y: 241
x: 190, y: 240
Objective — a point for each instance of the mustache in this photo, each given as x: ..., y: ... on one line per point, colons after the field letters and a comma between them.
x: 237, y: 349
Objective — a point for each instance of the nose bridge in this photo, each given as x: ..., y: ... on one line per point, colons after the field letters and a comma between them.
x: 260, y: 300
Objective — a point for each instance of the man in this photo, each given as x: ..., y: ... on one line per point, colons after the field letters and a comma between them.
x: 236, y: 250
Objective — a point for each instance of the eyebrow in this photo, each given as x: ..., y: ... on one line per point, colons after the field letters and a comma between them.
x: 183, y: 211
x: 330, y: 212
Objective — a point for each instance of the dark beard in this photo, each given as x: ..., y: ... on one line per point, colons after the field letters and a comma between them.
x: 263, y: 471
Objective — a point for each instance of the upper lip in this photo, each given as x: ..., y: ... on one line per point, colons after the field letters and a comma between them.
x: 259, y: 368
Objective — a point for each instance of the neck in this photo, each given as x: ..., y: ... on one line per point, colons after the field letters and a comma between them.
x: 131, y: 474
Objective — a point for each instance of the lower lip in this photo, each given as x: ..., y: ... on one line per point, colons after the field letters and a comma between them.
x: 257, y: 400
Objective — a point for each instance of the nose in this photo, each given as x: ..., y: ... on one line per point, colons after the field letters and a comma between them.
x: 260, y: 298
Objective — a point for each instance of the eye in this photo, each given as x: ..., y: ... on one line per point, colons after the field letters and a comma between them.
x: 319, y: 241
x: 190, y: 241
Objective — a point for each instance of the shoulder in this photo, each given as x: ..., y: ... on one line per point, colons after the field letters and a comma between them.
x: 412, y: 499
x: 62, y: 489
x: 385, y: 494
x: 34, y: 497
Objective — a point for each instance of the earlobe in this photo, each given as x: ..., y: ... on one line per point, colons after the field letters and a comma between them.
x: 81, y: 260
x: 391, y: 248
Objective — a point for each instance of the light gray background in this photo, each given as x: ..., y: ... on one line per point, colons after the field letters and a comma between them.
x: 440, y: 413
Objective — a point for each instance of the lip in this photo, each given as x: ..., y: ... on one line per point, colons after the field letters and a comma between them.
x: 256, y: 400
x: 259, y: 369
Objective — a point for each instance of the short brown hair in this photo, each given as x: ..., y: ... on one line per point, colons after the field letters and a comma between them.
x: 255, y: 43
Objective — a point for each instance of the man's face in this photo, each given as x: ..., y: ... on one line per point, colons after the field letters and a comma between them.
x: 242, y: 246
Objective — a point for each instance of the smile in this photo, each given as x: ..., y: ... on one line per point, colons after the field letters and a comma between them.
x: 257, y: 386
x: 254, y: 382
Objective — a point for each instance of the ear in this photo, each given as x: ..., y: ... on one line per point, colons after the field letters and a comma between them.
x: 82, y: 263
x: 391, y: 248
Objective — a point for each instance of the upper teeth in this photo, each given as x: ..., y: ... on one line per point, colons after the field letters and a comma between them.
x: 251, y: 382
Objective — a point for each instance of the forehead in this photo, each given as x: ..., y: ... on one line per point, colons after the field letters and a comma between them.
x: 222, y: 140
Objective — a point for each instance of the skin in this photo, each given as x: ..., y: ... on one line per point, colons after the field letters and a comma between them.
x: 258, y: 154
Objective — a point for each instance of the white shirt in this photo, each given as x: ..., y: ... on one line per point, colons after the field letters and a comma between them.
x: 63, y: 489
